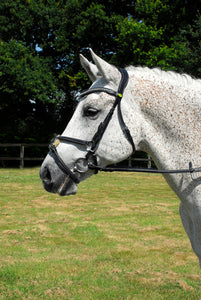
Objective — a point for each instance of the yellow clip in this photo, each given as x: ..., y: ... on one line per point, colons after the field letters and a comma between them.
x: 56, y: 142
x: 120, y: 95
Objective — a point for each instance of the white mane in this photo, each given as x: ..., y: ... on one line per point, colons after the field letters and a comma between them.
x: 170, y: 76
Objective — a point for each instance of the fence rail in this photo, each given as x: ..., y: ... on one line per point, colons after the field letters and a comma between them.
x: 22, y: 158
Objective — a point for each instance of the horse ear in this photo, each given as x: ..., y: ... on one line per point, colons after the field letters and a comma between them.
x: 109, y: 72
x: 90, y: 68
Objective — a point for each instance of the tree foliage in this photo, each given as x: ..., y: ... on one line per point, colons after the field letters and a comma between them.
x: 40, y: 42
x: 159, y: 35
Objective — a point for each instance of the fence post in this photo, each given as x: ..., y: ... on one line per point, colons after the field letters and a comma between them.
x: 149, y: 162
x: 21, y: 156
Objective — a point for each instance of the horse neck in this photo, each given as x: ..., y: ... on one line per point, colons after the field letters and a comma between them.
x: 169, y: 112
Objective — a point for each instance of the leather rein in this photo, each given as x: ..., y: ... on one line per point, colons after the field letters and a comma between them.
x: 82, y: 165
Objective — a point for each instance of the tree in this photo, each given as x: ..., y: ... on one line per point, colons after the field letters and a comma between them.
x: 25, y: 81
x: 29, y: 90
x: 155, y: 36
x: 192, y: 34
x: 40, y: 42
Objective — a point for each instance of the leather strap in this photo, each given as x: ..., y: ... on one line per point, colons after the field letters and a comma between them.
x: 62, y: 165
x: 103, y: 125
x: 101, y: 129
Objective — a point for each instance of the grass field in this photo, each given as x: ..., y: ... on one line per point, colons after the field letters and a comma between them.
x: 120, y: 237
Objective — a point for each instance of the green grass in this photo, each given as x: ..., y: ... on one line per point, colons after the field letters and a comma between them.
x: 120, y: 237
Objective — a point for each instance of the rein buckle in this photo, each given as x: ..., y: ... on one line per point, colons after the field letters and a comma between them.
x: 56, y: 142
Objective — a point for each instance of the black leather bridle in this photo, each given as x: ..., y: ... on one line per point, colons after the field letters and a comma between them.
x: 90, y: 159
x: 82, y: 165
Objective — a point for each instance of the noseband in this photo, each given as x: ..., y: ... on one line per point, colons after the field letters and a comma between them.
x: 90, y: 161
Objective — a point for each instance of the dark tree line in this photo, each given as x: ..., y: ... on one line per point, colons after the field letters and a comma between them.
x: 40, y: 42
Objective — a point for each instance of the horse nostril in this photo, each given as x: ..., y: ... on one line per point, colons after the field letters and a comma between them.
x: 47, y: 178
x: 46, y: 175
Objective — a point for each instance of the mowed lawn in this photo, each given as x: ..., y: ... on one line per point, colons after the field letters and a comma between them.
x: 120, y: 237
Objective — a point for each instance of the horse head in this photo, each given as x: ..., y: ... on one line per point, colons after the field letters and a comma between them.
x: 96, y: 133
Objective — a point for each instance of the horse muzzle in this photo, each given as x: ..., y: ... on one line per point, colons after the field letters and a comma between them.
x: 59, y: 178
x: 55, y: 181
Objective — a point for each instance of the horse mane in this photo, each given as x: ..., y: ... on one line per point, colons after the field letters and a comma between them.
x: 170, y: 76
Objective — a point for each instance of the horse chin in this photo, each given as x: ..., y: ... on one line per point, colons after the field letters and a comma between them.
x: 62, y: 185
x: 68, y: 187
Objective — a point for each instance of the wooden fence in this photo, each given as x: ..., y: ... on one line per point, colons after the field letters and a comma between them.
x: 22, y: 158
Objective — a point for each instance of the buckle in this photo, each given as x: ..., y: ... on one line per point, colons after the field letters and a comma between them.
x: 56, y: 142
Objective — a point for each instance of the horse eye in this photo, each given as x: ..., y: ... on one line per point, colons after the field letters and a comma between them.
x: 90, y: 112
